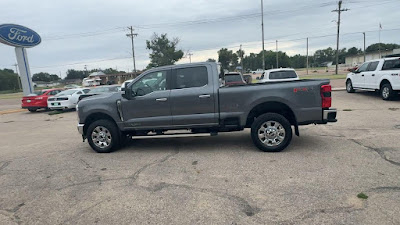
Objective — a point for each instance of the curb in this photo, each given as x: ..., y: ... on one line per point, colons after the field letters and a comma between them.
x: 11, y: 111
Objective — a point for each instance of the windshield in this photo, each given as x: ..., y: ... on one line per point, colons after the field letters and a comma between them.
x: 39, y: 92
x: 67, y: 92
x: 233, y: 78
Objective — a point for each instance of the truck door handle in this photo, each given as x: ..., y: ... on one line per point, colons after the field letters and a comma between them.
x: 204, y: 96
x: 161, y: 99
x: 373, y: 75
x: 362, y: 75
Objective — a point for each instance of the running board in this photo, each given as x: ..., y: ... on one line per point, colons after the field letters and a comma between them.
x: 176, y: 135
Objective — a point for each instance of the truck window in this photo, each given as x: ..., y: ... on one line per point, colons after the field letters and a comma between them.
x: 282, y: 74
x: 191, y: 77
x: 363, y: 68
x: 156, y: 81
x: 391, y: 64
x: 372, y: 66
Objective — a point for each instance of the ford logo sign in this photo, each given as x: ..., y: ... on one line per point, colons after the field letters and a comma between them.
x: 18, y: 36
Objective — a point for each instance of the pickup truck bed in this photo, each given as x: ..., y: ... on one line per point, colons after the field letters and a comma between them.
x: 189, y: 97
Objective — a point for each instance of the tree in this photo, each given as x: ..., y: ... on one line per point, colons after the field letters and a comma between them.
x: 228, y: 59
x: 164, y: 51
x: 8, y: 80
x: 211, y: 60
x: 353, y: 51
x: 46, y: 77
x: 383, y: 46
x: 75, y: 74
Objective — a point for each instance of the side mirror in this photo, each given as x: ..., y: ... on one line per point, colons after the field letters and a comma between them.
x: 126, y: 93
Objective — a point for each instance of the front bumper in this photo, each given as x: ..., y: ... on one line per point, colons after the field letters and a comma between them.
x: 329, y: 115
x: 80, y: 128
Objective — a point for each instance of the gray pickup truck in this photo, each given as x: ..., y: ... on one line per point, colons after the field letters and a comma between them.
x: 192, y: 97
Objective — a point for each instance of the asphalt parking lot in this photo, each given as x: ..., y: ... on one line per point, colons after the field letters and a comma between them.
x: 48, y: 176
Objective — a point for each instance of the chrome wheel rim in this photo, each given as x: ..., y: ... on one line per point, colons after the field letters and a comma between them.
x: 101, y: 137
x: 271, y: 133
x: 348, y: 86
x: 385, y: 92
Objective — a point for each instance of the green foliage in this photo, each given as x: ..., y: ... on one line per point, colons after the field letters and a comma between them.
x: 8, y: 80
x: 75, y: 74
x: 44, y: 77
x: 211, y: 60
x: 163, y: 51
x: 228, y: 59
x: 362, y: 196
x: 384, y: 47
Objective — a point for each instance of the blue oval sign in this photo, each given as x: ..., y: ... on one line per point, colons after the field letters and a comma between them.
x: 18, y: 36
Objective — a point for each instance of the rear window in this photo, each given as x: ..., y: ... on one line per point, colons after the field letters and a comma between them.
x: 391, y: 65
x: 282, y: 75
x: 233, y: 78
x: 39, y: 92
x: 191, y: 77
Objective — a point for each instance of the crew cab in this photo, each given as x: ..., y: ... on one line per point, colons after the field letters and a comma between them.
x: 38, y: 100
x: 275, y: 75
x: 381, y: 75
x: 189, y: 97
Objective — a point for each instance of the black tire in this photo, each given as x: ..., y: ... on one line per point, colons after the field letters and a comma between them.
x: 32, y: 109
x: 112, y: 131
x: 260, y: 121
x: 387, y: 92
x: 349, y: 86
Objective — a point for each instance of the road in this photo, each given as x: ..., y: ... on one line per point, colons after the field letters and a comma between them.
x: 48, y: 176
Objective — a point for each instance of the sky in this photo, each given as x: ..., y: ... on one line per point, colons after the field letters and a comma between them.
x: 76, y: 33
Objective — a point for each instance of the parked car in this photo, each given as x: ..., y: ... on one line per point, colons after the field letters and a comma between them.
x: 234, y: 78
x: 193, y: 100
x: 72, y: 86
x: 381, y: 75
x: 100, y: 90
x: 275, y: 75
x: 38, y: 100
x: 66, y: 99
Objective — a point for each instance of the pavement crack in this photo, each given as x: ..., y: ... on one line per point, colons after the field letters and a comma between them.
x: 385, y: 189
x: 83, y: 211
x: 4, y: 165
x: 135, y: 176
x: 86, y: 164
x: 313, y: 213
x: 242, y: 203
x: 380, y: 152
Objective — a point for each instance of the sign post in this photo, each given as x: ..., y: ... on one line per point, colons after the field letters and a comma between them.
x: 21, y: 37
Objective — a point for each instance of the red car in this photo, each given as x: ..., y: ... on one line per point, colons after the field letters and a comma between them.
x: 38, y: 100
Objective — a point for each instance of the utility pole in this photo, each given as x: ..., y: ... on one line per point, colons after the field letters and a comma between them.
x: 132, y: 35
x: 339, y: 10
x: 262, y: 28
x: 241, y: 58
x: 307, y: 56
x: 19, y: 79
x: 86, y: 70
x: 190, y: 57
x: 364, y: 45
x: 380, y: 28
x: 277, y: 62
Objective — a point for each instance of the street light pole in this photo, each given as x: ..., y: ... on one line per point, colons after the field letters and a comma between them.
x: 364, y: 45
x: 262, y: 28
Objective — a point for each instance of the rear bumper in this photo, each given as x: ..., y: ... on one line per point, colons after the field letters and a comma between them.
x: 329, y: 115
x: 60, y: 105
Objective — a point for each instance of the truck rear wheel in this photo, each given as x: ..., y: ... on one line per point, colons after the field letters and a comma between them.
x: 103, y: 136
x: 271, y: 132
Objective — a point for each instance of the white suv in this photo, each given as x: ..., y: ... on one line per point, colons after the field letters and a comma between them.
x: 380, y: 75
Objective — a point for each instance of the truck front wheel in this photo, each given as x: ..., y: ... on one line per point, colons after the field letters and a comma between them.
x: 103, y: 136
x: 271, y: 132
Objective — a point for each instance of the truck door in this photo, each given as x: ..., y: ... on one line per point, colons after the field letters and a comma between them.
x: 358, y: 78
x: 193, y: 97
x: 370, y: 75
x: 150, y: 104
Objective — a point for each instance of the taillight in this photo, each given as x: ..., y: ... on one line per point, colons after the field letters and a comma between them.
x: 326, y: 96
